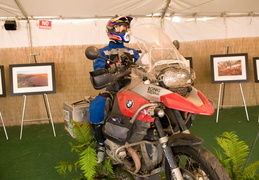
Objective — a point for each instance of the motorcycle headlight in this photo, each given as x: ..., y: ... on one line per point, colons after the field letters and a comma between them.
x: 175, y: 77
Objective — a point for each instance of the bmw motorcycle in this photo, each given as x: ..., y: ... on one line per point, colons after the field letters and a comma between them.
x: 147, y: 126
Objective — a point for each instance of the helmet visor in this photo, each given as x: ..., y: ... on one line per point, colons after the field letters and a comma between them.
x: 120, y: 28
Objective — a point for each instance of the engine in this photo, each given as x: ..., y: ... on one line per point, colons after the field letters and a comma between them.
x: 143, y: 158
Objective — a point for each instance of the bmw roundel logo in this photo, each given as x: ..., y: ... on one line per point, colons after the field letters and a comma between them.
x: 129, y: 103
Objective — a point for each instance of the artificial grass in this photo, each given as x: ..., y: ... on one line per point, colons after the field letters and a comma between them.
x: 229, y: 120
x: 38, y: 153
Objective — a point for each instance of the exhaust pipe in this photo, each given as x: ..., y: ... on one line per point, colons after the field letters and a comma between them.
x: 135, y: 158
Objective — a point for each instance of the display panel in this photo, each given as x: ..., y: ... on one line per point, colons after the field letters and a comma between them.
x: 227, y: 68
x: 29, y: 79
x: 256, y: 68
x: 2, y: 82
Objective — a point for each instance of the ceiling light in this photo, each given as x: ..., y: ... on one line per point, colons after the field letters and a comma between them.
x: 176, y: 19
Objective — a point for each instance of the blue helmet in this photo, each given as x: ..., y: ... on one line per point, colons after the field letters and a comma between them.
x: 117, y: 28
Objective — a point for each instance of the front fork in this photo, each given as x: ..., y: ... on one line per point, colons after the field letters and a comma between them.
x: 163, y: 139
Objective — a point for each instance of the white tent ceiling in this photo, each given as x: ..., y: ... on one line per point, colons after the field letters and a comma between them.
x: 29, y: 9
x: 76, y: 22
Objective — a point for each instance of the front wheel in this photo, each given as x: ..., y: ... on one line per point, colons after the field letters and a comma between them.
x: 197, y: 163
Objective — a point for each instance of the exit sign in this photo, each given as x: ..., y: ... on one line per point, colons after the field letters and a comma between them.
x: 44, y: 24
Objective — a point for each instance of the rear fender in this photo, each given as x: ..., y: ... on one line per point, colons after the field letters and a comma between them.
x: 184, y: 140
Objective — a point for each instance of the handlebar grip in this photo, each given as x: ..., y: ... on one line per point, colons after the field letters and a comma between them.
x: 125, y: 73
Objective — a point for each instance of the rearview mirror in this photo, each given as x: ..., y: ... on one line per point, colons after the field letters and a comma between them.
x: 92, y: 52
x: 176, y: 44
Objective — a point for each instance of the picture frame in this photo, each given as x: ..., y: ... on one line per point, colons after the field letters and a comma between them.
x: 256, y: 68
x: 227, y: 68
x: 32, y: 79
x: 2, y: 82
x: 189, y: 60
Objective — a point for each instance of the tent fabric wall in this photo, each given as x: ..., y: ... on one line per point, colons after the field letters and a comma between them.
x: 65, y: 43
x: 200, y: 52
x: 79, y: 32
x: 219, y: 28
x: 73, y: 82
x: 62, y: 33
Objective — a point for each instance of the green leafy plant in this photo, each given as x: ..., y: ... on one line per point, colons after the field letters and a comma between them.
x: 87, y: 163
x: 235, y: 157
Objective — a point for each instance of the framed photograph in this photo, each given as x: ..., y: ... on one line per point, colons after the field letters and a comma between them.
x: 227, y: 68
x: 189, y: 60
x: 256, y: 68
x: 31, y: 79
x: 2, y: 82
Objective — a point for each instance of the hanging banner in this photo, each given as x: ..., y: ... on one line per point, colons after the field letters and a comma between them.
x: 44, y: 24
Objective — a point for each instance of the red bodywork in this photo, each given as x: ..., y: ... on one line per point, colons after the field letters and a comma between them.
x: 170, y: 100
x: 176, y: 101
x: 138, y: 101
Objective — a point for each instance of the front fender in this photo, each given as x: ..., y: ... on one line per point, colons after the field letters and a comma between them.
x: 184, y: 140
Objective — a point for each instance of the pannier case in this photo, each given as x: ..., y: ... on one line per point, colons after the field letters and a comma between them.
x: 77, y: 111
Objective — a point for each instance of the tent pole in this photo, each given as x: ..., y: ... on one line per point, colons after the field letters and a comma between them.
x: 28, y: 21
x: 166, y: 8
x: 29, y: 32
x: 21, y: 8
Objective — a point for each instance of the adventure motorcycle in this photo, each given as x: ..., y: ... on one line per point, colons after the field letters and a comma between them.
x: 147, y: 128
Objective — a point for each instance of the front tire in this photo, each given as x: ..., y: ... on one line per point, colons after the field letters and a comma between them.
x: 197, y: 163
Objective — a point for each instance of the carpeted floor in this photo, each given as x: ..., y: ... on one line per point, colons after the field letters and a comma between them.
x: 36, y: 155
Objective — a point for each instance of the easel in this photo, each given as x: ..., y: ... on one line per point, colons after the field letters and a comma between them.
x: 252, y: 147
x: 2, y: 122
x: 47, y: 106
x: 222, y: 93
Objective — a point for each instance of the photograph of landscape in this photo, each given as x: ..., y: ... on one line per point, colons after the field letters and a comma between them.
x: 32, y: 79
x: 229, y: 68
x: 27, y: 79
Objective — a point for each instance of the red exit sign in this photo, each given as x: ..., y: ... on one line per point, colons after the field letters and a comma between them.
x: 44, y: 24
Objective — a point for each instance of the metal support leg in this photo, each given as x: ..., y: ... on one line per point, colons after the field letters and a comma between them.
x: 251, y: 151
x: 226, y: 49
x: 3, y: 126
x: 49, y: 113
x: 243, y: 97
x: 47, y: 106
x: 219, y: 98
x: 23, y: 113
x: 219, y: 101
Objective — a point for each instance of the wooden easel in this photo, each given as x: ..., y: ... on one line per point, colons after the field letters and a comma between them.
x: 47, y: 107
x: 222, y: 94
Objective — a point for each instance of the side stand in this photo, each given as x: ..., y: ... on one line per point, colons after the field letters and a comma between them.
x: 221, y: 94
x: 47, y: 106
x: 1, y: 117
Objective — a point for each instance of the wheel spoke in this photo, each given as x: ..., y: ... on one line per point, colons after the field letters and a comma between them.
x: 190, y: 168
x: 197, y: 163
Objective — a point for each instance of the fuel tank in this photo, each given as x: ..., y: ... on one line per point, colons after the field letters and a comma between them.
x: 129, y: 102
